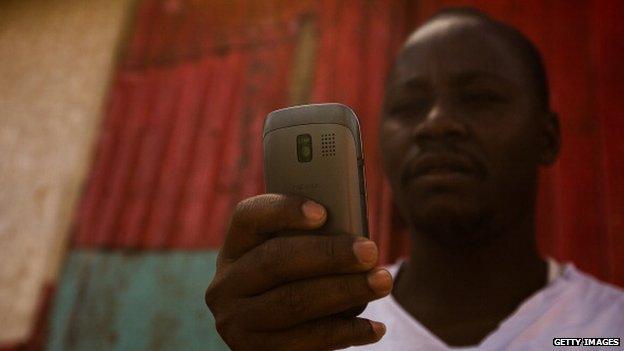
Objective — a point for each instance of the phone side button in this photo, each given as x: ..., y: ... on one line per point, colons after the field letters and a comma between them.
x: 364, y: 207
x: 362, y: 176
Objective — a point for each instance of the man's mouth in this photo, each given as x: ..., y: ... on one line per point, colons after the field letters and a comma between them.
x: 441, y: 167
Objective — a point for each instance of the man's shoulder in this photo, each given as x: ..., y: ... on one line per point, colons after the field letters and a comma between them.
x: 591, y: 287
x: 588, y: 296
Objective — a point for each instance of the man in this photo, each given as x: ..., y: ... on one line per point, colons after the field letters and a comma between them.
x: 466, y: 124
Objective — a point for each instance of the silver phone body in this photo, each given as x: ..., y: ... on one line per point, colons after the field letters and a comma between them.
x: 334, y: 174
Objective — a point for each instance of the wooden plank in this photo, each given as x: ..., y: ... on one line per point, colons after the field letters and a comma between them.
x: 134, y: 301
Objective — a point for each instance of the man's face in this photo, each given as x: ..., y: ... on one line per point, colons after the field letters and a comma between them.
x: 461, y: 135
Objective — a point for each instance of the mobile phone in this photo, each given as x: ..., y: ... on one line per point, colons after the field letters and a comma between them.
x: 316, y: 151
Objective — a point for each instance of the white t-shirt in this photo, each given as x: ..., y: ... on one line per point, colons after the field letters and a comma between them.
x: 572, y: 305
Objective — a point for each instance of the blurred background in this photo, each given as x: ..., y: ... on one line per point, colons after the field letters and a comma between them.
x: 130, y: 128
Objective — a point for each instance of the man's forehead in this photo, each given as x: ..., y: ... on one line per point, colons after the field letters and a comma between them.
x: 462, y: 47
x: 461, y: 78
x: 441, y: 25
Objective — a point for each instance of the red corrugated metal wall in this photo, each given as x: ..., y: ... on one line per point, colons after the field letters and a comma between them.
x: 180, y: 144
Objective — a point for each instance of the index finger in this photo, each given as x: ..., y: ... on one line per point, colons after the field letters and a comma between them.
x: 257, y: 218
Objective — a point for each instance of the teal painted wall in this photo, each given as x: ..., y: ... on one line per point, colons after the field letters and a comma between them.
x: 134, y: 301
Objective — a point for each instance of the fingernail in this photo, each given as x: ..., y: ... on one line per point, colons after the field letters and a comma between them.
x: 380, y: 281
x: 365, y: 251
x: 378, y: 328
x: 313, y: 211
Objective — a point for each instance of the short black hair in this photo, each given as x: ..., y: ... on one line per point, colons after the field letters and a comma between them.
x: 529, y: 54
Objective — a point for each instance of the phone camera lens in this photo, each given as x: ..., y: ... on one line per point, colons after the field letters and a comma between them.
x: 304, y: 148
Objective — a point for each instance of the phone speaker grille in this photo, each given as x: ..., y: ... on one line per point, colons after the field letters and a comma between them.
x: 328, y: 144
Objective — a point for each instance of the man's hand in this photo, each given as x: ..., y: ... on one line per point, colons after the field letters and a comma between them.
x: 283, y: 292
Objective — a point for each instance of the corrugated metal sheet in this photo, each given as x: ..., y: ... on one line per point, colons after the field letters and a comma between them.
x: 129, y: 301
x: 182, y: 140
x: 607, y: 49
x: 181, y: 143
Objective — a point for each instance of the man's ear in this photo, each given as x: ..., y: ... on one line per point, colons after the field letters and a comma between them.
x: 551, y: 139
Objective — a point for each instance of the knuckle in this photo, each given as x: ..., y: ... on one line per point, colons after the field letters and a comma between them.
x: 346, y: 332
x: 279, y: 204
x: 211, y: 295
x: 242, y: 207
x: 332, y: 252
x: 358, y: 328
x: 339, y: 251
x: 243, y: 212
x: 221, y: 262
x: 221, y: 325
x: 284, y: 251
x: 287, y: 206
x: 346, y: 288
x: 217, y: 299
x: 294, y: 301
x: 330, y: 248
x: 289, y: 217
x: 358, y: 331
x: 275, y: 254
x: 227, y: 323
x: 230, y: 324
x: 330, y: 332
x: 209, y: 298
x: 253, y: 211
x: 351, y: 291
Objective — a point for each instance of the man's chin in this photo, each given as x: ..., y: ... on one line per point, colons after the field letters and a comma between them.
x: 451, y: 223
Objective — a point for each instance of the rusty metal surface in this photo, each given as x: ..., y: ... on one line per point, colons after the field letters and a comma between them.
x: 181, y: 143
x: 134, y: 301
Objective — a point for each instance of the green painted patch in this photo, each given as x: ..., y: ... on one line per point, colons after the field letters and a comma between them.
x: 134, y: 301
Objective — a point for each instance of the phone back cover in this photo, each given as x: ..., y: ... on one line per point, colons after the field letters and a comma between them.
x: 334, y: 176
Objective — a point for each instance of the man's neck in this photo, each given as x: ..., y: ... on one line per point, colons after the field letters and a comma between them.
x: 462, y: 293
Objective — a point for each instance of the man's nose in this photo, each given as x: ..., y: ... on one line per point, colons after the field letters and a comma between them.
x: 440, y: 123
